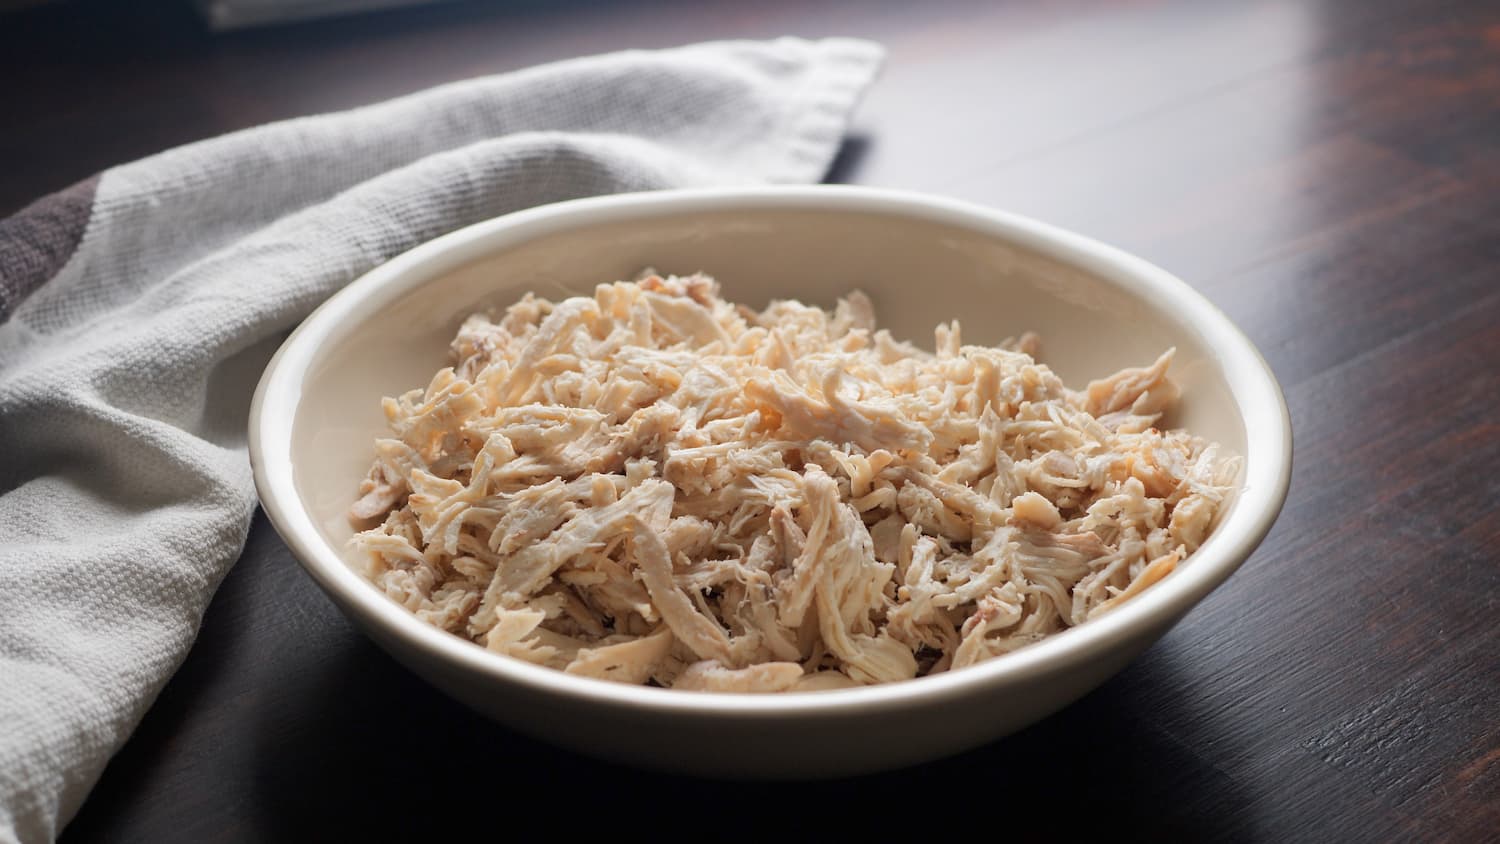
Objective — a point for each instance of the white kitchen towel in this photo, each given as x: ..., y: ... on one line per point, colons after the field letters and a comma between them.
x: 143, y: 304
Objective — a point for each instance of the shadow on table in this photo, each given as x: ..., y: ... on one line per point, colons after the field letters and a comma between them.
x: 849, y: 159
x: 381, y: 754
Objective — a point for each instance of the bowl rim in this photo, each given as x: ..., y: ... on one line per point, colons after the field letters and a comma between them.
x: 1267, y: 468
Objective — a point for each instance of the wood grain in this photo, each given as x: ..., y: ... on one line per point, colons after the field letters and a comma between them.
x: 1327, y: 172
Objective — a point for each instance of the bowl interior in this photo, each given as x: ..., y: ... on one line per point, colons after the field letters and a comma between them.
x: 918, y: 272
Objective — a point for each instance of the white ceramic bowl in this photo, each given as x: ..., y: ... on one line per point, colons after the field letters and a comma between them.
x: 922, y: 260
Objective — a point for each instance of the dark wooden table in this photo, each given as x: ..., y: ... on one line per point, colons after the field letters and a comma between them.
x: 1326, y: 172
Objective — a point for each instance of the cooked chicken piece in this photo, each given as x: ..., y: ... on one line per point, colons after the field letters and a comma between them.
x: 1000, y: 609
x: 1142, y: 391
x: 1190, y: 521
x: 834, y: 416
x: 823, y: 681
x: 386, y: 483
x: 631, y: 661
x: 711, y: 676
x: 684, y: 320
x: 432, y: 421
x: 1154, y: 571
x: 702, y: 634
x: 1033, y: 510
x: 525, y: 572
x: 655, y: 485
x: 532, y: 514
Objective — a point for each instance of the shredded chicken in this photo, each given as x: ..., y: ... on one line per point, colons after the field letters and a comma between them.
x: 652, y: 485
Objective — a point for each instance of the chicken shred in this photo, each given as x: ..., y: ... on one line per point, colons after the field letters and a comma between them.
x: 653, y: 485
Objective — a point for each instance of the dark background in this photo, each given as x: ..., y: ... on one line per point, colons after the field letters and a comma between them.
x: 1326, y: 172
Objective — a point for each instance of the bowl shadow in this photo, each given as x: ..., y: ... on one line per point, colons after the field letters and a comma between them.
x: 377, y: 752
